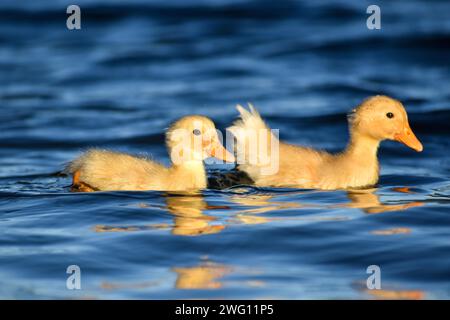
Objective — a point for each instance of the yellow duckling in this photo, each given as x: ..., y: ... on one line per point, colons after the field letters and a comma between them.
x: 378, y: 118
x: 190, y: 140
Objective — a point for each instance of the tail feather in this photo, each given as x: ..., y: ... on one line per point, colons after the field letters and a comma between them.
x: 249, y: 120
x: 254, y: 140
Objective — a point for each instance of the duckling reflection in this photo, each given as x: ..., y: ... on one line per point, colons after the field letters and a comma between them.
x: 365, y: 199
x: 262, y: 204
x: 206, y: 275
x: 389, y: 292
x: 189, y: 219
x: 369, y: 202
x: 396, y: 294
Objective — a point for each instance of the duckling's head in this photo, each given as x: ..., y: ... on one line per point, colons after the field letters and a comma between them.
x: 382, y: 117
x: 195, y: 138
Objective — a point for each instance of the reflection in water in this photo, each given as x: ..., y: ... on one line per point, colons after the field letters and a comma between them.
x: 396, y: 294
x: 262, y: 204
x: 189, y: 218
x: 369, y: 202
x: 389, y: 292
x: 206, y: 275
x: 262, y: 201
x: 364, y: 199
x: 389, y: 232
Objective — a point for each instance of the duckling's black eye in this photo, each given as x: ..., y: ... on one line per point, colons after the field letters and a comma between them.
x: 196, y: 132
x: 390, y: 115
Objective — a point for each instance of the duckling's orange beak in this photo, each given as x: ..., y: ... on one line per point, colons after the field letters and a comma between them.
x: 407, y: 137
x: 219, y: 152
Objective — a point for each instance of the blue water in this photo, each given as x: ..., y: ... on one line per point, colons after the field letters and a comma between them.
x: 135, y: 67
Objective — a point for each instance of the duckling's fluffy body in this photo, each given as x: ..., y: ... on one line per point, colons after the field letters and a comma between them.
x: 190, y: 140
x: 108, y: 170
x: 308, y: 168
x: 355, y: 167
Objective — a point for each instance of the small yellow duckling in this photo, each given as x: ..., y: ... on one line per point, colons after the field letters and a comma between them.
x: 376, y: 119
x: 190, y: 140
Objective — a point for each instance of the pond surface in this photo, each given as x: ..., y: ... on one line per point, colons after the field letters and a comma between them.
x: 133, y: 68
